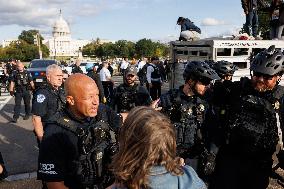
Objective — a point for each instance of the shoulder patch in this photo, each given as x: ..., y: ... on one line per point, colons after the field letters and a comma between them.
x: 40, y: 98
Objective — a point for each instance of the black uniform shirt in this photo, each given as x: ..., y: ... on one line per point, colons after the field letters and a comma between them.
x: 173, y: 101
x: 21, y: 79
x: 136, y: 96
x: 76, y: 69
x: 59, y: 148
x: 97, y: 79
x: 46, y: 102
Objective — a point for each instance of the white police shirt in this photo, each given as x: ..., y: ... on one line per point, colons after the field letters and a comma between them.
x: 104, y: 74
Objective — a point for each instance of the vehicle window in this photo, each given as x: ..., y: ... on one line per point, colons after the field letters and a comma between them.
x: 240, y: 51
x: 223, y: 52
x: 41, y: 63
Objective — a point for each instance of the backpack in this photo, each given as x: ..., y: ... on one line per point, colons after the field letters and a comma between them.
x: 143, y: 72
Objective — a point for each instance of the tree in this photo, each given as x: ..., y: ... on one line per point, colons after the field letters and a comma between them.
x: 144, y: 48
x: 89, y: 49
x: 29, y: 38
x: 121, y: 48
x: 124, y: 48
x: 21, y: 50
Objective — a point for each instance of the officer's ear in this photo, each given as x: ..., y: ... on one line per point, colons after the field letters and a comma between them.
x: 48, y: 77
x: 70, y: 100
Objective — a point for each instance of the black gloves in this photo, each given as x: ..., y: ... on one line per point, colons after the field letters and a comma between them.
x: 12, y: 93
x: 280, y: 157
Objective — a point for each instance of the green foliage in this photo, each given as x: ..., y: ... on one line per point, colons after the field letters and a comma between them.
x: 264, y: 20
x: 28, y: 36
x: 124, y: 48
x: 145, y: 48
x: 45, y: 51
x: 24, y: 49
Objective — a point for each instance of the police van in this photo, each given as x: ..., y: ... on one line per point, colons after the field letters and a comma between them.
x: 215, y: 49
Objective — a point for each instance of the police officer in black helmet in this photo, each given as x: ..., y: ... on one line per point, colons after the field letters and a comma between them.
x: 130, y: 94
x: 254, y: 111
x: 187, y: 110
x: 218, y: 110
x: 225, y: 69
x: 76, y: 145
x: 21, y: 83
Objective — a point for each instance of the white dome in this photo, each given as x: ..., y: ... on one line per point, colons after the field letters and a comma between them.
x: 61, y: 27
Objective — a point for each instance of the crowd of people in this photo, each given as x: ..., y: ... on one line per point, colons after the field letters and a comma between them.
x: 210, y: 132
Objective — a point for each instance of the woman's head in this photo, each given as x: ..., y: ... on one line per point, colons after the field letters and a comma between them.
x: 147, y: 138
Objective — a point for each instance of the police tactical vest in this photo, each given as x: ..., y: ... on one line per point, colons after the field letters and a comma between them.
x: 21, y: 78
x: 127, y: 97
x: 95, y: 150
x: 58, y: 96
x: 253, y: 122
x: 187, y: 116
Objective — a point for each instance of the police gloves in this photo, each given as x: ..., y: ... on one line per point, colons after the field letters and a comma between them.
x: 280, y: 157
x: 12, y: 93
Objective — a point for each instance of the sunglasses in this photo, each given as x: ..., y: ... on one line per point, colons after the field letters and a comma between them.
x: 264, y: 76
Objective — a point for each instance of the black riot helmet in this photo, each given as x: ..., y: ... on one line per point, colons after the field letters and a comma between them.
x: 198, y: 70
x: 224, y: 68
x: 268, y: 62
x: 210, y: 62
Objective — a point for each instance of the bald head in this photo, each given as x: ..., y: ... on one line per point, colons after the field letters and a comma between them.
x: 76, y: 84
x: 82, y: 95
x: 20, y: 66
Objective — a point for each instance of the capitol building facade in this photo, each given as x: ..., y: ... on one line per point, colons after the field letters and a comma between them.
x: 61, y: 44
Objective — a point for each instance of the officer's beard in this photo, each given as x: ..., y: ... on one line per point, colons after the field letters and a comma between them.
x: 130, y: 82
x: 190, y: 89
x: 260, y: 86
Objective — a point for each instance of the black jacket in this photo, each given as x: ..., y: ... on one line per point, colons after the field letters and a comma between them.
x: 97, y: 79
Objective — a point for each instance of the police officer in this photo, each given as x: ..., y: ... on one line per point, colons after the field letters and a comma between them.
x: 92, y: 73
x: 48, y: 99
x: 10, y: 67
x: 76, y: 67
x: 107, y: 83
x: 218, y: 115
x: 225, y: 69
x: 154, y: 79
x: 130, y: 94
x: 186, y: 108
x: 77, y: 141
x: 254, y: 114
x: 21, y: 81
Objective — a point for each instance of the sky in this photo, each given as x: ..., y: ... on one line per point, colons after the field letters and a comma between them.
x: 120, y: 19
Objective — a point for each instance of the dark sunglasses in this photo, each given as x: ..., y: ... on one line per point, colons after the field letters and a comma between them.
x: 205, y: 81
x: 264, y: 76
